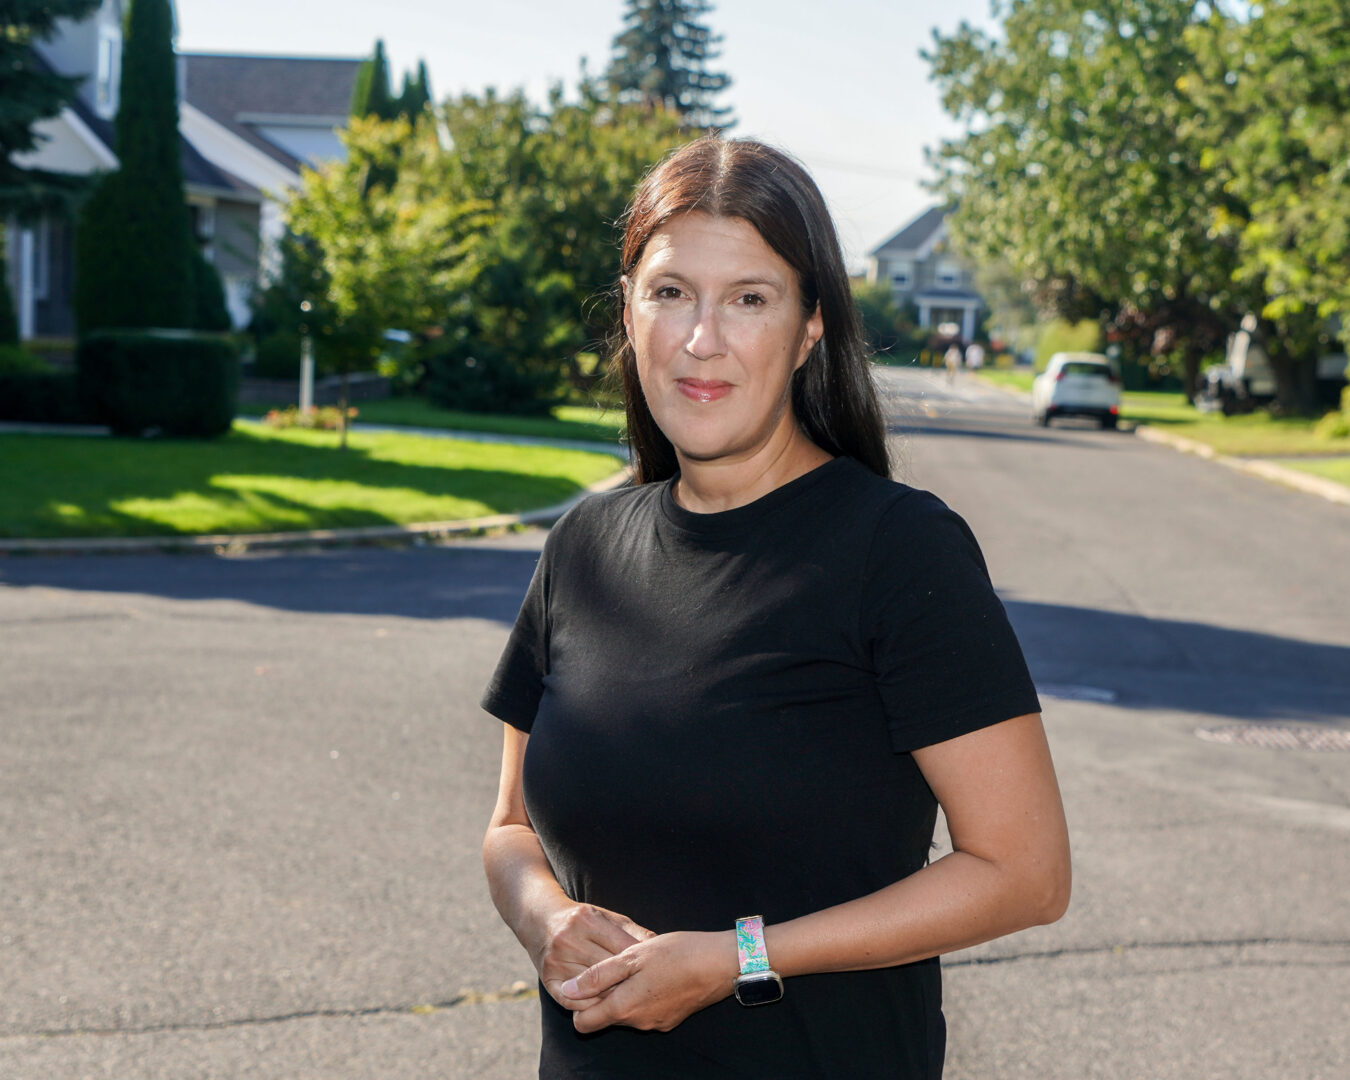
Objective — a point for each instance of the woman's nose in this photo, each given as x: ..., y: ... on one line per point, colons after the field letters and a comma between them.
x: 705, y: 336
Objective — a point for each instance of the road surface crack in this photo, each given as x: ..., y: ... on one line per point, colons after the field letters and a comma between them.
x: 518, y: 991
x: 1123, y: 948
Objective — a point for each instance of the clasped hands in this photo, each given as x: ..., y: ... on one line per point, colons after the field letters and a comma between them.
x: 608, y: 970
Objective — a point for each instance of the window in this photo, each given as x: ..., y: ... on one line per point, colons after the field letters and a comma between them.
x: 203, y: 221
x: 902, y: 278
x: 109, y: 70
x: 948, y: 274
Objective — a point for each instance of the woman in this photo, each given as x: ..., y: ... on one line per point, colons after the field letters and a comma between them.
x: 742, y: 686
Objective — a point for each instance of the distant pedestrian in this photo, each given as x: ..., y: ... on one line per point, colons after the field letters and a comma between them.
x: 952, y: 360
x: 739, y: 689
x: 975, y: 356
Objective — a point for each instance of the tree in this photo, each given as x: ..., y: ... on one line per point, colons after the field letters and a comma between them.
x: 30, y: 92
x: 557, y: 180
x: 371, y: 95
x: 1078, y: 170
x: 136, y: 264
x: 661, y: 58
x: 1272, y: 102
x: 416, y: 95
x: 392, y: 255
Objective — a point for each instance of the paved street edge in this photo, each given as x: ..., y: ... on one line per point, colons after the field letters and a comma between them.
x: 1267, y: 470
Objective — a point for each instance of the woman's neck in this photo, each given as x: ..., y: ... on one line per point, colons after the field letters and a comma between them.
x: 709, y: 487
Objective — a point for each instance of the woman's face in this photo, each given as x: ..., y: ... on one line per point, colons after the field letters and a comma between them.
x: 715, y: 319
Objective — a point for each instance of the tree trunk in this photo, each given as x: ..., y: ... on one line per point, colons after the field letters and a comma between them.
x: 1295, y: 386
x: 1190, y: 372
x: 342, y: 410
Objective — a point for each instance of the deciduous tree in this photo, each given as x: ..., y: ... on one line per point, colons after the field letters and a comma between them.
x: 1272, y: 99
x: 1076, y: 168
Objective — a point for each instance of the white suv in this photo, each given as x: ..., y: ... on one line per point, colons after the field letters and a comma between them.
x: 1077, y: 384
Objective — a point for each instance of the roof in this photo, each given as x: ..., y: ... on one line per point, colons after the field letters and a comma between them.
x: 240, y: 91
x: 197, y: 171
x: 914, y: 235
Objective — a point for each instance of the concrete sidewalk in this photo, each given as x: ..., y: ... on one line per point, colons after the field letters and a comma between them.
x: 237, y: 543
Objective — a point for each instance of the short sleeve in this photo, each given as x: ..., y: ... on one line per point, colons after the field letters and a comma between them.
x: 516, y: 686
x: 946, y: 657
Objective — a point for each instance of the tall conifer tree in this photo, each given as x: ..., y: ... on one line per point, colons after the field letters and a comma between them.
x: 661, y: 58
x: 135, y: 263
x: 371, y: 95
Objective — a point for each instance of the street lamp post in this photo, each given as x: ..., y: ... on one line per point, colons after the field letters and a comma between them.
x: 306, y: 363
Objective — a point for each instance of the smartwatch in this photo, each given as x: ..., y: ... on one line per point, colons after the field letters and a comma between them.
x: 757, y: 984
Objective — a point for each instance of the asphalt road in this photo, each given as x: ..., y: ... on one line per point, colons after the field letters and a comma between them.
x: 241, y: 798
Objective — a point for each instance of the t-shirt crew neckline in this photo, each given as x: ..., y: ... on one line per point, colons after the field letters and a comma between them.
x: 740, y: 518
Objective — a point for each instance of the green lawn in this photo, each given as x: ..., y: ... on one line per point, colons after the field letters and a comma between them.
x: 567, y: 421
x: 1337, y: 469
x: 259, y: 480
x: 1014, y: 380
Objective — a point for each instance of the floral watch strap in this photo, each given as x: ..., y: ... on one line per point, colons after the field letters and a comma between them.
x: 750, y: 944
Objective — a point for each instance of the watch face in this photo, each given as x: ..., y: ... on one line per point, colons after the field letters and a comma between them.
x: 759, y: 989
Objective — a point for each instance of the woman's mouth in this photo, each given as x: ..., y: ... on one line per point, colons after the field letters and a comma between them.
x: 703, y: 389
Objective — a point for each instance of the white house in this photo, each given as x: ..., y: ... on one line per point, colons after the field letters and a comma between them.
x: 921, y: 269
x: 247, y: 124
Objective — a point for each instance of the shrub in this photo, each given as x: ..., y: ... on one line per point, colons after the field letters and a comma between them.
x: 490, y: 382
x: 278, y: 356
x: 15, y: 359
x: 175, y: 381
x: 1335, y: 425
x: 1058, y: 335
x: 40, y: 397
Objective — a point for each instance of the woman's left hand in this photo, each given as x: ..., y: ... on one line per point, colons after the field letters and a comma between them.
x: 656, y: 983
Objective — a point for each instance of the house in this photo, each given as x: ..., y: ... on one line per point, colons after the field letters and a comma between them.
x: 921, y: 270
x: 247, y: 124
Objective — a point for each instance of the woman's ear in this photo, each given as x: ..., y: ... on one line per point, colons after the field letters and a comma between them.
x: 815, y: 330
x: 625, y: 286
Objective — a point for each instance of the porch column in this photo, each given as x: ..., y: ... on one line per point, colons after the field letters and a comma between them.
x: 923, y: 314
x: 23, y: 299
x: 968, y: 324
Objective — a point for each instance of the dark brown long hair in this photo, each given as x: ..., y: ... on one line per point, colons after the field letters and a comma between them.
x: 833, y: 398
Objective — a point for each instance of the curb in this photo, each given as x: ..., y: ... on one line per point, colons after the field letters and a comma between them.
x: 1266, y: 470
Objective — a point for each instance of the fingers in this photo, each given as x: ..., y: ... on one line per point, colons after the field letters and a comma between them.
x: 611, y: 932
x: 579, y: 937
x: 592, y: 983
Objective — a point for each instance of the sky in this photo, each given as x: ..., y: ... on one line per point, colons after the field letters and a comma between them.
x: 841, y: 85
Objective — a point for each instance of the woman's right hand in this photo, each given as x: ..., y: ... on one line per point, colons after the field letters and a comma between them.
x: 574, y: 936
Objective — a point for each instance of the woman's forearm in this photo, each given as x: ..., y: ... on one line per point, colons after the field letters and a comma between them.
x: 958, y: 901
x: 521, y: 881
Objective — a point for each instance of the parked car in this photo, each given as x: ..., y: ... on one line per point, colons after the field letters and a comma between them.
x: 1077, y: 384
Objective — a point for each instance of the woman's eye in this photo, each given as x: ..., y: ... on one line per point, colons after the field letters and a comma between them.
x: 752, y: 299
x: 667, y: 292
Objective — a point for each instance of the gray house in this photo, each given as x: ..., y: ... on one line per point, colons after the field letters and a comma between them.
x: 921, y: 270
x: 247, y: 124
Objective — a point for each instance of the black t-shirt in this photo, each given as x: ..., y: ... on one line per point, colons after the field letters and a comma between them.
x: 720, y: 709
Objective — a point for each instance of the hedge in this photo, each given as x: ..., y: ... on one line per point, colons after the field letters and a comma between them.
x: 177, y: 382
x: 40, y: 397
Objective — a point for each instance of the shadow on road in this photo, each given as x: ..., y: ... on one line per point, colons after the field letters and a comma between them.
x: 1143, y: 662
x: 966, y: 429
x: 1188, y: 666
x: 471, y: 581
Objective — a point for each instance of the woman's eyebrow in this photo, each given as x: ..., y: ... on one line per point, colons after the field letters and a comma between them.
x: 739, y: 283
